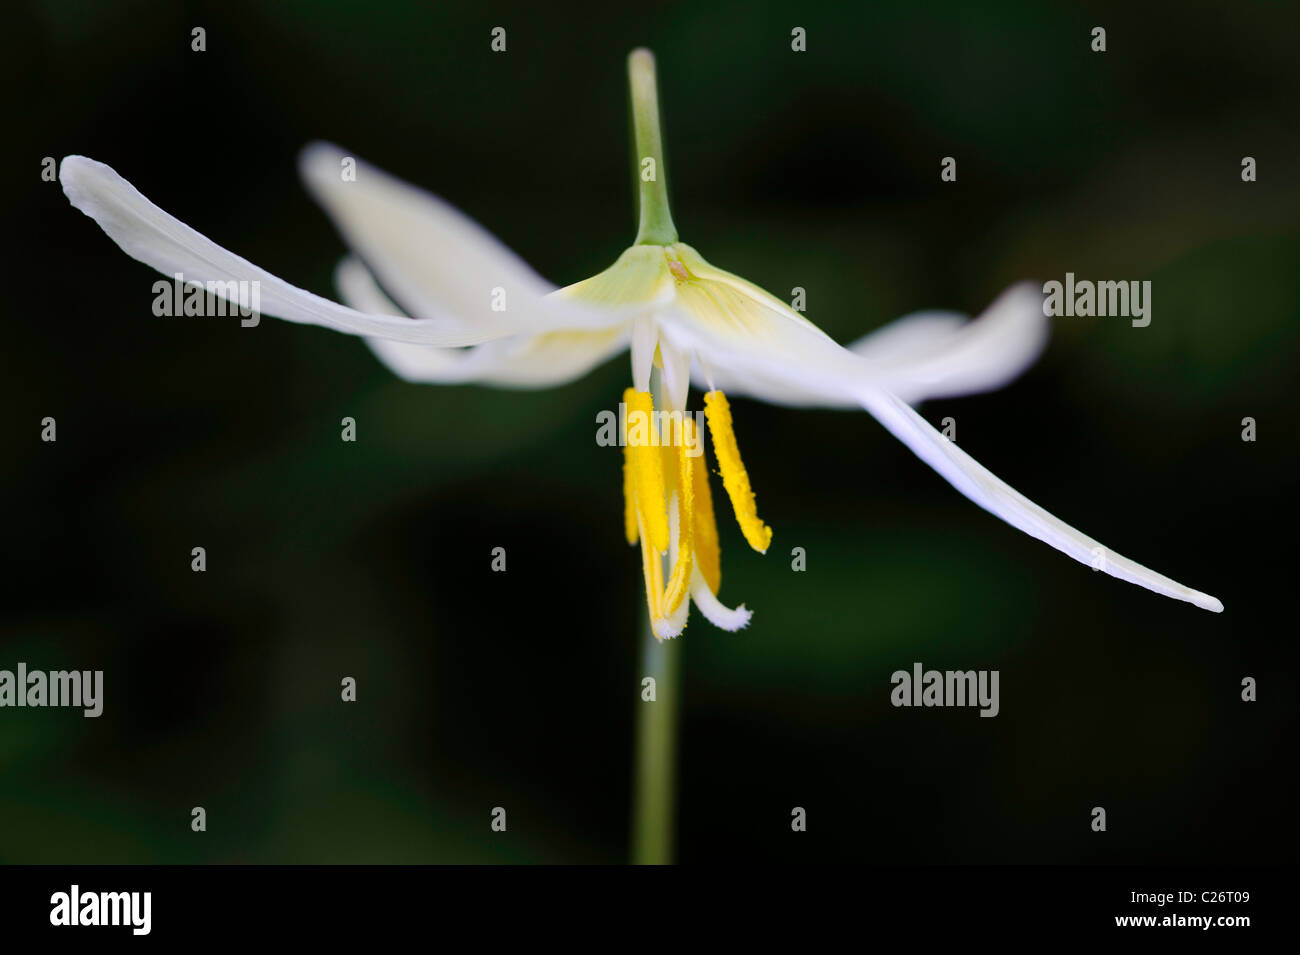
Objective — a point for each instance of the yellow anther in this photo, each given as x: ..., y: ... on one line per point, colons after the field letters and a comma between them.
x: 652, y: 569
x: 629, y: 498
x: 668, y: 461
x: 707, y: 553
x: 679, y: 584
x: 734, y: 477
x: 647, y: 469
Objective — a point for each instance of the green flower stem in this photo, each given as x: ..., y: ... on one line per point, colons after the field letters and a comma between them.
x: 656, y: 225
x: 654, y: 809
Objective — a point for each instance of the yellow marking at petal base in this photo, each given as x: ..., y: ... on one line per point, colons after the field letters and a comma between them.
x: 734, y: 477
x: 707, y: 552
x: 679, y: 584
x: 647, y: 472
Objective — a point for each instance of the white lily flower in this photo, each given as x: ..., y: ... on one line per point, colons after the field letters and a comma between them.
x: 673, y: 310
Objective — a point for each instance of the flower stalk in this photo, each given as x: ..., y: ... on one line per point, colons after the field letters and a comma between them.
x: 654, y: 808
x: 656, y: 221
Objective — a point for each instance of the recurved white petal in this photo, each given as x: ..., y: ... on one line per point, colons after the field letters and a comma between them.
x: 152, y: 236
x: 521, y: 361
x: 925, y: 355
x: 938, y: 355
x: 754, y: 343
x: 980, y: 485
x: 729, y: 323
x: 432, y: 258
x: 909, y: 336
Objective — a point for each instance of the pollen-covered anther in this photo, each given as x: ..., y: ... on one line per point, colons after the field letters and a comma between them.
x: 734, y: 477
x: 679, y: 583
x: 630, y: 529
x: 647, y: 479
x: 708, y: 554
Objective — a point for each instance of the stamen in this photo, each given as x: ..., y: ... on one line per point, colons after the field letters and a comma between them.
x: 676, y: 374
x: 647, y: 471
x: 652, y: 570
x: 708, y: 555
x: 629, y: 497
x: 722, y: 617
x: 668, y: 459
x: 734, y: 477
x: 642, y: 347
x: 671, y: 625
x: 679, y: 584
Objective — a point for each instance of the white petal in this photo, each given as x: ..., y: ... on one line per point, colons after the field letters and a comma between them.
x: 550, y: 358
x: 755, y: 343
x: 782, y: 364
x: 432, y: 258
x: 995, y: 496
x: 909, y: 336
x: 935, y: 355
x: 358, y: 289
x: 926, y: 355
x: 672, y: 625
x: 151, y: 236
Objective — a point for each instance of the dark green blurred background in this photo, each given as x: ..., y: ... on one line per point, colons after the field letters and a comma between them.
x: 476, y: 689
